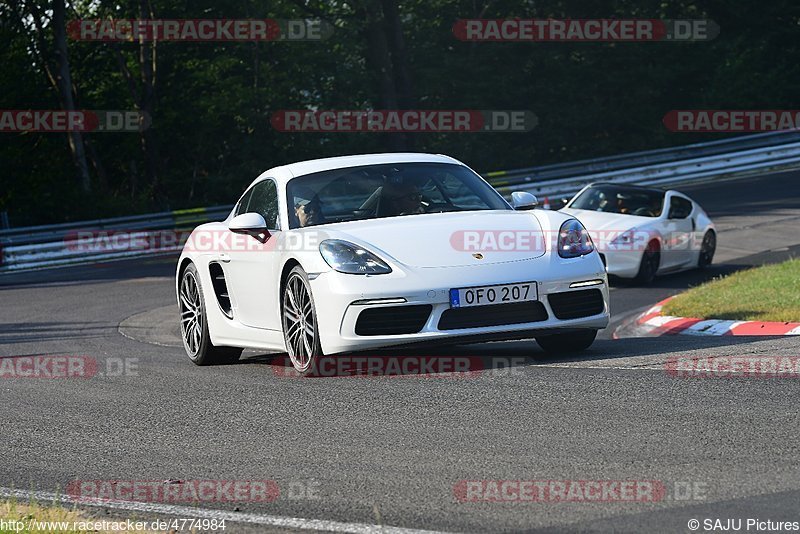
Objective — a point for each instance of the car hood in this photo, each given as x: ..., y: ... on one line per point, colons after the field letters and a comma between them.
x: 596, y: 221
x: 448, y: 239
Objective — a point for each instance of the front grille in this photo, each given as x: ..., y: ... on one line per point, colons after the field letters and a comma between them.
x: 495, y: 315
x: 575, y: 304
x: 392, y: 320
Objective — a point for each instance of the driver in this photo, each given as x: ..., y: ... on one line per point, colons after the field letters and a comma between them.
x: 402, y: 198
x: 621, y: 206
x: 308, y: 209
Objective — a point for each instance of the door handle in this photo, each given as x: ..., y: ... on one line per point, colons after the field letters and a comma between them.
x: 224, y: 257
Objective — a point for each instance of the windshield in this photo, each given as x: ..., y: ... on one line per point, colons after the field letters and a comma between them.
x: 625, y: 200
x: 387, y: 190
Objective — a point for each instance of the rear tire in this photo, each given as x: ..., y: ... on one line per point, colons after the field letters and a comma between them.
x: 707, y: 250
x: 194, y: 323
x: 570, y: 342
x: 651, y: 259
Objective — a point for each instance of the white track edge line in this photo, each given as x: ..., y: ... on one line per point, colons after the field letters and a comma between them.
x: 206, y: 513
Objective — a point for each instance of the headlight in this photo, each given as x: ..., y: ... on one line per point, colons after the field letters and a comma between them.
x: 573, y: 240
x: 351, y: 259
x: 625, y: 238
x: 632, y: 239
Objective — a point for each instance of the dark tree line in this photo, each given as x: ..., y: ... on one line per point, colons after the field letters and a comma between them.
x: 210, y: 102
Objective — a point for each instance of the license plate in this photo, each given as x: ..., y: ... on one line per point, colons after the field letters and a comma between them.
x: 489, y: 295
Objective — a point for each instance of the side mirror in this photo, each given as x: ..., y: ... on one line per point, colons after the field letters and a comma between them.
x: 522, y: 200
x: 248, y: 223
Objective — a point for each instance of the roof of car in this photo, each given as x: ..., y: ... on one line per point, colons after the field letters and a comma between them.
x: 292, y: 170
x: 631, y: 187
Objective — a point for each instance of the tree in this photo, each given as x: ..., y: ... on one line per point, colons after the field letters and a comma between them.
x: 54, y: 60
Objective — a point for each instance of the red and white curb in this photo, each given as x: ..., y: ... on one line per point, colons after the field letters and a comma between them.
x: 653, y: 323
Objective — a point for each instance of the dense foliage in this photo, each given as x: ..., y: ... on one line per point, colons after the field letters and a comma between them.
x: 211, y: 101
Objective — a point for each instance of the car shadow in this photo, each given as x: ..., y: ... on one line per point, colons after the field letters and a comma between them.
x: 43, y: 331
x: 155, y: 266
x: 484, y: 359
x: 682, y: 279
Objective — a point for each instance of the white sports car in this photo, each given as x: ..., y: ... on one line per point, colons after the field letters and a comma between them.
x: 359, y: 252
x: 642, y: 232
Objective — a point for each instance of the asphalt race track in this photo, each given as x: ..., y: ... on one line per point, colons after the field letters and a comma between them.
x: 390, y: 450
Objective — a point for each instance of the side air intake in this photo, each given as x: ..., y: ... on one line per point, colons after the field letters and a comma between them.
x: 221, y: 289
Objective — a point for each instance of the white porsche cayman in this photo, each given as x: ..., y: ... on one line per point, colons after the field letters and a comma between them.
x: 360, y: 252
x: 641, y: 232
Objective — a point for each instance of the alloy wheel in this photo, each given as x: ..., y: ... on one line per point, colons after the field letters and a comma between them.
x: 191, y: 313
x: 298, y: 322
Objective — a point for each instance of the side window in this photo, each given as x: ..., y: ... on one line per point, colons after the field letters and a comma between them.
x: 264, y: 200
x: 679, y: 208
x: 242, y: 206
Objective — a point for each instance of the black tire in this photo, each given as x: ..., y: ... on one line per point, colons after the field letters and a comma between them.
x: 194, y: 323
x: 648, y: 267
x: 707, y: 249
x: 570, y: 342
x: 299, y: 312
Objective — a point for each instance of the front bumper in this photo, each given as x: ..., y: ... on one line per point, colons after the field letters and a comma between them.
x: 336, y: 297
x: 623, y: 263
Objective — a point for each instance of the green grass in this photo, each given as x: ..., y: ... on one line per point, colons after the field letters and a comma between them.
x: 11, y: 510
x: 768, y: 293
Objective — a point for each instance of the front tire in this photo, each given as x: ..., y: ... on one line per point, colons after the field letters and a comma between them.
x: 194, y: 323
x: 565, y: 343
x: 707, y: 250
x: 300, y: 330
x: 651, y: 260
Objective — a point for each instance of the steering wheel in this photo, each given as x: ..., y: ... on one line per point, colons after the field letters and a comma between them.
x: 437, y: 207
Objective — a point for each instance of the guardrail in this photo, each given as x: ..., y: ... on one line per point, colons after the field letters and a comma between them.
x: 150, y: 221
x: 89, y: 241
x: 728, y: 165
x: 641, y: 159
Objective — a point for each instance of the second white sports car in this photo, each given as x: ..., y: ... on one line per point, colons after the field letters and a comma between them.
x: 642, y: 232
x: 359, y: 252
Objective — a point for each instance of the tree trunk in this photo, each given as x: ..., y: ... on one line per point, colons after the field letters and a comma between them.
x: 63, y: 80
x: 147, y: 65
x: 381, y: 61
x: 397, y: 48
